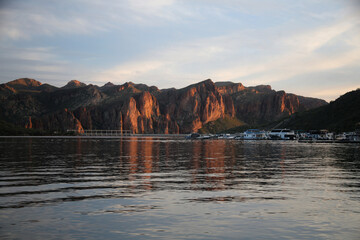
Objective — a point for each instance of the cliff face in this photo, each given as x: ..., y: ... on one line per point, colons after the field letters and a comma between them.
x: 142, y: 109
x: 307, y: 103
x: 196, y: 105
x: 59, y: 121
x: 261, y: 104
x: 141, y: 114
x: 258, y: 108
x: 74, y: 98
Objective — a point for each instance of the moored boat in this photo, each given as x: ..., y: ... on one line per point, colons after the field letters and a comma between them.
x: 193, y: 136
x: 254, y: 134
x: 282, y: 134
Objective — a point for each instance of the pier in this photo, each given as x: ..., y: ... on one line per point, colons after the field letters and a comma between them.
x: 102, y: 132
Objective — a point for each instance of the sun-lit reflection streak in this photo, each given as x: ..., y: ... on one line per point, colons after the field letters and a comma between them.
x: 132, y: 152
x: 214, y: 154
x: 146, y: 149
x: 156, y: 156
x: 121, y: 154
x: 142, y: 154
x: 196, y: 156
x: 219, y: 156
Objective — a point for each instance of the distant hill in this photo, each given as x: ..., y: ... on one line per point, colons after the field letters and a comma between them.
x: 24, y: 83
x: 74, y: 84
x: 343, y: 114
x: 205, y: 106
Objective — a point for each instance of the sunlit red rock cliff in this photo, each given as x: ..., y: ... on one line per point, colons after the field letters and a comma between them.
x: 143, y: 109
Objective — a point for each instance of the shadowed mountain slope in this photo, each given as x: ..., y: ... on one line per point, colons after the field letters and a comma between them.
x: 343, y: 114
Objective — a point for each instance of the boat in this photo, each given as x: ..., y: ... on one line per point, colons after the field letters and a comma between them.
x: 193, y: 136
x: 321, y: 135
x: 209, y: 136
x: 353, y: 136
x: 226, y: 136
x: 282, y: 134
x: 199, y: 136
x: 254, y: 134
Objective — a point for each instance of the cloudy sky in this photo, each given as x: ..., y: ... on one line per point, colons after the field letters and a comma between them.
x: 307, y: 47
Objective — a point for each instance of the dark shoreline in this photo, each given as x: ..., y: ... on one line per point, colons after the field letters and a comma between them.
x: 128, y: 136
x: 177, y: 136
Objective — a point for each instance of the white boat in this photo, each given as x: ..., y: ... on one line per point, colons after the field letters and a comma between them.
x: 254, y: 134
x: 226, y: 136
x: 353, y: 136
x: 193, y: 136
x: 199, y: 136
x: 282, y: 134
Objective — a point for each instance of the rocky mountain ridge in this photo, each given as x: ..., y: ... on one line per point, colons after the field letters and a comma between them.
x: 141, y: 108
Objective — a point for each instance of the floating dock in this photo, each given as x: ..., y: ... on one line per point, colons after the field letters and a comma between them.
x: 102, y: 132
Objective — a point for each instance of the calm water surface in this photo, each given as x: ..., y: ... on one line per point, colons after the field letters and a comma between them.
x: 148, y: 188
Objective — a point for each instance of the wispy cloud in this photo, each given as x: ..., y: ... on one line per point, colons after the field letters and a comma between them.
x: 235, y: 57
x: 310, y: 40
x: 177, y: 42
x: 144, y: 10
x: 167, y: 66
x: 40, y: 63
x: 83, y: 17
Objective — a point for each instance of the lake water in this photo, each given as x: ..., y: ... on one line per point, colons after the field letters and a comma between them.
x: 155, y: 188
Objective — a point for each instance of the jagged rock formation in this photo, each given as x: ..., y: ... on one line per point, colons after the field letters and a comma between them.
x: 261, y: 104
x: 108, y: 84
x: 140, y: 108
x: 229, y: 87
x: 195, y: 105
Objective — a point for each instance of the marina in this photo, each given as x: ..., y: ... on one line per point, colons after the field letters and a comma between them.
x: 285, y: 134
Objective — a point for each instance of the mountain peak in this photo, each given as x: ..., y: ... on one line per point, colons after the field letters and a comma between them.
x: 208, y: 81
x: 24, y: 82
x: 108, y: 84
x: 74, y: 84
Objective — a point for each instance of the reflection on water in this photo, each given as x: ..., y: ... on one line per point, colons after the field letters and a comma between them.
x: 145, y: 188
